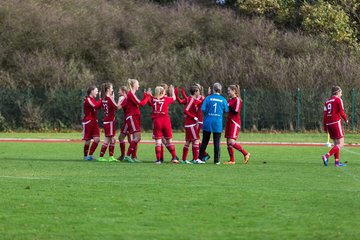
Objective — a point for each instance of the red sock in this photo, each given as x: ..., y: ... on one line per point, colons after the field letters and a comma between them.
x: 231, y: 152
x: 111, y: 149
x: 122, y: 147
x: 86, y: 149
x: 162, y: 152
x: 158, y: 152
x: 103, y: 149
x: 131, y: 148
x: 337, y: 156
x: 238, y: 147
x: 195, y: 150
x: 134, y: 153
x: 93, y: 148
x: 185, y: 152
x: 172, y: 150
x: 334, y: 150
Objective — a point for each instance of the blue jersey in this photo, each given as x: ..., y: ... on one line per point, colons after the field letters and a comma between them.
x: 214, y: 107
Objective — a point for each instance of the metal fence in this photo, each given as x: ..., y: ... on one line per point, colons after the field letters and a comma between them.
x: 263, y: 109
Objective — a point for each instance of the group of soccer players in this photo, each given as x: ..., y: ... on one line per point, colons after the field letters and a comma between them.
x: 162, y: 131
x: 196, y: 105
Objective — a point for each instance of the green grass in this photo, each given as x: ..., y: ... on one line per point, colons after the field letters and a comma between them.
x: 49, y: 192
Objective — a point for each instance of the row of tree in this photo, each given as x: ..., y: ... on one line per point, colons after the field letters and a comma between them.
x: 50, y: 51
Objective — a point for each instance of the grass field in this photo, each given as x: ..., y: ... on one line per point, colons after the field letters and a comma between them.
x: 49, y: 192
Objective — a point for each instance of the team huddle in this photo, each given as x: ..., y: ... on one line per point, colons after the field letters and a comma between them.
x: 196, y: 104
x: 201, y: 113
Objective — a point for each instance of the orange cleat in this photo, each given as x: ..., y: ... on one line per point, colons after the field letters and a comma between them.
x: 230, y: 162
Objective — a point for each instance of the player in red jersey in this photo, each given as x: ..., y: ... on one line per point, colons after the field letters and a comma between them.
x: 90, y: 124
x: 233, y: 124
x: 109, y: 106
x: 123, y: 91
x: 198, y: 102
x: 132, y: 116
x: 161, y: 122
x: 333, y: 112
x: 163, y: 140
x: 192, y: 132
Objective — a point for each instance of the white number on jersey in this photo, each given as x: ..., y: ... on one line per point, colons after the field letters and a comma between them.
x: 160, y: 104
x: 215, y: 107
x: 329, y: 108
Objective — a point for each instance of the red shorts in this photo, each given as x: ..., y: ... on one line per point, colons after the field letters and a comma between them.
x: 132, y: 124
x: 162, y: 127
x: 335, y: 130
x: 232, y: 129
x: 90, y: 130
x: 192, y: 132
x: 124, y: 129
x: 110, y: 128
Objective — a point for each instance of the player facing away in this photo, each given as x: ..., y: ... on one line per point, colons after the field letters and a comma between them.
x: 109, y: 106
x: 233, y: 124
x: 161, y: 122
x: 123, y: 91
x: 214, y: 107
x: 333, y: 112
x: 198, y: 102
x: 192, y: 132
x: 90, y: 124
x: 132, y: 116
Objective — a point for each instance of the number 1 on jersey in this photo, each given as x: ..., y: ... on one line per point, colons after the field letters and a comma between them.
x: 215, y: 104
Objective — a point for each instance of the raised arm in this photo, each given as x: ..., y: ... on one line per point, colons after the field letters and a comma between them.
x: 181, y: 101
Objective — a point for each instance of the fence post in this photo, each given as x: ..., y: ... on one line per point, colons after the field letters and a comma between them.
x: 353, y: 109
x: 298, y: 109
x: 244, y: 109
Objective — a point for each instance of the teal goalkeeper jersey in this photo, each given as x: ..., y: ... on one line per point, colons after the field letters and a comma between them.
x: 214, y: 107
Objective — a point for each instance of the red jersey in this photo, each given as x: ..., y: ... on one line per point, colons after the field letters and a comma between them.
x: 191, y: 110
x: 199, y: 102
x: 333, y: 111
x: 160, y: 107
x: 235, y: 105
x: 90, y: 108
x: 109, y: 107
x: 124, y: 106
x: 134, y: 104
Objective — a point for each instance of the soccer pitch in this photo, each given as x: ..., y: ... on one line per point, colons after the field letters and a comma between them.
x: 49, y: 192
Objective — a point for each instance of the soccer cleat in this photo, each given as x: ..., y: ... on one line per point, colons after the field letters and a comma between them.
x: 230, y: 162
x: 102, y: 159
x: 112, y: 159
x: 186, y: 162
x: 158, y: 162
x: 136, y: 160
x: 128, y: 159
x: 340, y: 164
x: 198, y: 161
x: 205, y: 158
x: 217, y: 163
x: 246, y: 158
x: 86, y: 158
x: 175, y: 160
x: 121, y: 158
x: 91, y: 158
x: 325, y: 160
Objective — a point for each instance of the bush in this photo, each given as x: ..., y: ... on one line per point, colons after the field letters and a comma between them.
x: 73, y: 44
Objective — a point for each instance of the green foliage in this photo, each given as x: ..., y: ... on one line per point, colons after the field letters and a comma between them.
x: 338, y: 21
x: 51, y: 50
x: 330, y: 20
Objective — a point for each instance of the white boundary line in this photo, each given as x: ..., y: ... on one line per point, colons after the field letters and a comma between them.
x: 175, y: 142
